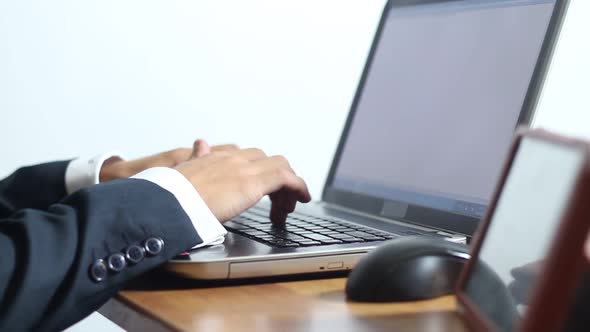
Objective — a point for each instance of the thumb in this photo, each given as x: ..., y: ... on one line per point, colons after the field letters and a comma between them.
x: 200, y: 148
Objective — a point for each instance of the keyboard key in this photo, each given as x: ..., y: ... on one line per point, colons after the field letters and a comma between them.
x: 293, y: 237
x: 259, y: 219
x: 319, y: 222
x: 263, y: 227
x: 358, y: 234
x: 321, y: 238
x: 313, y: 227
x: 283, y: 243
x: 342, y: 229
x: 295, y: 229
x: 365, y: 236
x: 377, y: 233
x: 342, y: 236
x: 254, y: 234
x: 331, y: 241
x: 278, y: 232
x: 234, y: 225
x: 290, y: 245
x: 309, y: 243
x: 297, y: 224
x: 299, y: 215
x: 352, y: 240
x: 317, y: 237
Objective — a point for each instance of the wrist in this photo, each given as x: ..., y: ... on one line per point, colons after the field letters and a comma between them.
x: 112, y: 169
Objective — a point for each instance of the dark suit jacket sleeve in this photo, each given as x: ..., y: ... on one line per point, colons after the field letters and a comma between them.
x: 46, y: 255
x: 34, y: 187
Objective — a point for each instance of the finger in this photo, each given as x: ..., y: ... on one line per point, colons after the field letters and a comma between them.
x: 291, y: 191
x: 283, y: 203
x: 278, y: 215
x: 251, y: 154
x: 224, y: 147
x: 200, y: 148
x: 275, y: 178
x: 175, y: 156
x: 284, y: 199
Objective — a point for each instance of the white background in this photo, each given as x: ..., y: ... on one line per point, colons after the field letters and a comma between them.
x: 81, y: 77
x: 143, y: 76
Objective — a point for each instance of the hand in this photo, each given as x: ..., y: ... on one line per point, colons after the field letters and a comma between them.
x: 234, y: 180
x: 117, y: 168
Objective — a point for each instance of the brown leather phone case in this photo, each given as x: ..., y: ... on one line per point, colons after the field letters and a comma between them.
x: 553, y: 291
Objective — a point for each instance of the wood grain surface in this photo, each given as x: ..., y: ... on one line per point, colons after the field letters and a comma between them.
x: 304, y: 305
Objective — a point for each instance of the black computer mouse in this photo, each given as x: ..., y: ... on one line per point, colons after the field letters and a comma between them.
x: 407, y: 269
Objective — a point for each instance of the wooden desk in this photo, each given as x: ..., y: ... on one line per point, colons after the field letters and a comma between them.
x: 305, y: 305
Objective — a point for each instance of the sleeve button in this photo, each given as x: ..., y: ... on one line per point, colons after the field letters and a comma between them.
x: 116, y: 262
x: 98, y: 270
x: 134, y: 254
x: 153, y: 246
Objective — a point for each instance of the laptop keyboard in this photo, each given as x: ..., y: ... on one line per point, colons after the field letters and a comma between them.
x: 302, y: 230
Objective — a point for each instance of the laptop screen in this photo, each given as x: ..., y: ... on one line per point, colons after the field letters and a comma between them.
x: 441, y: 99
x: 531, y: 205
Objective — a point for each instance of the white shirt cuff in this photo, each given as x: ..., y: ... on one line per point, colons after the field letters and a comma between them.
x: 82, y: 173
x: 207, y: 226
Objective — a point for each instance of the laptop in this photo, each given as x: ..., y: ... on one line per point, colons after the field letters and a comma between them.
x: 443, y: 89
x: 542, y: 197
